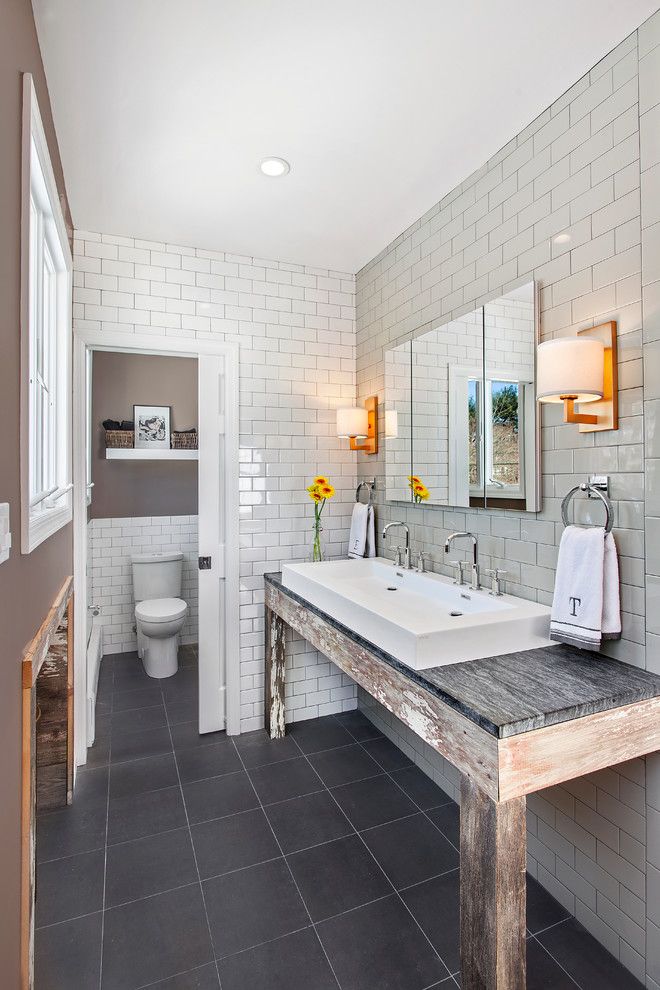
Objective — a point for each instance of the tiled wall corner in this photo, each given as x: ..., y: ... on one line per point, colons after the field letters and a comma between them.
x: 295, y: 327
x: 575, y: 169
x: 649, y: 124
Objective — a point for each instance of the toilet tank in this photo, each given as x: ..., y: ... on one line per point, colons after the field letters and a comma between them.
x: 157, y: 575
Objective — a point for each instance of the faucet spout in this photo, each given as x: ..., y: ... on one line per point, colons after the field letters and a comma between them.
x: 404, y: 526
x: 476, y: 584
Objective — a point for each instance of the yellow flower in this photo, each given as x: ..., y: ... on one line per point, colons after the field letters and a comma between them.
x: 327, y: 490
x: 320, y: 480
x: 414, y: 480
x: 316, y: 497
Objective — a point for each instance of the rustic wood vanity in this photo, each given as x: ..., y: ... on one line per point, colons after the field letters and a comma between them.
x: 511, y: 725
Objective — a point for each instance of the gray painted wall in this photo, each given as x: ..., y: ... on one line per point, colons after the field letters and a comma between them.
x: 28, y: 583
x: 142, y: 488
x: 575, y: 169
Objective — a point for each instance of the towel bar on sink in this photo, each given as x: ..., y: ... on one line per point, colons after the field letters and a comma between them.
x: 593, y: 490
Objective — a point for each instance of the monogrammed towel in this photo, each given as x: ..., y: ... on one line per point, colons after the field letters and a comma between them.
x: 586, y: 607
x: 362, y: 538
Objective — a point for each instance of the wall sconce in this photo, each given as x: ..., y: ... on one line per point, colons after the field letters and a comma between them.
x: 582, y: 369
x: 360, y: 426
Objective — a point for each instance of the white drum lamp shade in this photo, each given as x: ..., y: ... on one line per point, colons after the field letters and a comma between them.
x: 391, y: 424
x: 570, y: 368
x: 352, y: 423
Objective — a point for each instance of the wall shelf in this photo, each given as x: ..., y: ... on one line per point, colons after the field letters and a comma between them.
x: 134, y: 454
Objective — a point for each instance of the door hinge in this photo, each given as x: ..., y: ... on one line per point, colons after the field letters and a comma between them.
x: 205, y: 563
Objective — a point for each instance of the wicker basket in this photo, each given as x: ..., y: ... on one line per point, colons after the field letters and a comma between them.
x: 184, y: 441
x: 119, y: 438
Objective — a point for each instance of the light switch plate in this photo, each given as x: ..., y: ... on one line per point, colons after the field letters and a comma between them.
x: 5, y: 535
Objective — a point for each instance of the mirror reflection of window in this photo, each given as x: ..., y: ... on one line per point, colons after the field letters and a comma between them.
x: 503, y: 454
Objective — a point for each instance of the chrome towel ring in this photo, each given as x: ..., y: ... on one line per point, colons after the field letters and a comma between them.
x: 595, y: 491
x: 369, y: 485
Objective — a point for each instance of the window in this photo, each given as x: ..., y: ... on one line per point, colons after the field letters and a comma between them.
x: 45, y: 341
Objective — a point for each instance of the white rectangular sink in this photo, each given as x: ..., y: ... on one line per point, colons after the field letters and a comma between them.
x: 424, y: 620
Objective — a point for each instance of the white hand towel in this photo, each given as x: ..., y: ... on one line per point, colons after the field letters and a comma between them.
x: 585, y: 608
x: 357, y: 539
x: 370, y: 549
x: 611, y: 594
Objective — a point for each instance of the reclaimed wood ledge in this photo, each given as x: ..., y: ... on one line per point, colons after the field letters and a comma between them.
x: 618, y: 721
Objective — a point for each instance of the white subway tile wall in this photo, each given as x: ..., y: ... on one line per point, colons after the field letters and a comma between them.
x: 574, y: 170
x: 295, y: 327
x: 111, y: 545
x: 649, y: 134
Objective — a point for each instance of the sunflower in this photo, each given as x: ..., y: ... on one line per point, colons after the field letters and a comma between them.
x: 414, y: 480
x: 326, y: 490
x: 320, y: 480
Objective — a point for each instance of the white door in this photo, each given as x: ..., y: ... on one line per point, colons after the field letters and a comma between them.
x: 218, y: 585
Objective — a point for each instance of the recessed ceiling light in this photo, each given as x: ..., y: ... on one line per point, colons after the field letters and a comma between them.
x: 561, y: 239
x: 274, y: 167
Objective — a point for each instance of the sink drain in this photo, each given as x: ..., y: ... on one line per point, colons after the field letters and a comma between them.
x: 454, y: 614
x: 391, y: 587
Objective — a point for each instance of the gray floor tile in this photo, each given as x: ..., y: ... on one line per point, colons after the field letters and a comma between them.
x: 155, y: 938
x: 68, y: 955
x: 295, y: 962
x: 233, y: 843
x: 148, y: 866
x: 373, y: 802
x: 219, y: 796
x: 341, y: 766
x: 379, y: 946
x: 70, y: 887
x: 285, y: 780
x: 138, y: 815
x: 337, y: 876
x: 306, y: 821
x: 411, y: 850
x: 253, y: 906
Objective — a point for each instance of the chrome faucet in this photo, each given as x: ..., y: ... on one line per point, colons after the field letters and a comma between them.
x: 475, y: 583
x: 406, y: 552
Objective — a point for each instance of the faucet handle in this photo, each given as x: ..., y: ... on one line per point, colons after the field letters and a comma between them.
x: 399, y: 553
x: 458, y: 566
x: 422, y: 557
x: 496, y: 573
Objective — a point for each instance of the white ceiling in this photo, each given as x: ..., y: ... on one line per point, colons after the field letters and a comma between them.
x: 164, y: 108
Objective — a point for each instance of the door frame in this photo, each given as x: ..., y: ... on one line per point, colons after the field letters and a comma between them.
x: 158, y: 344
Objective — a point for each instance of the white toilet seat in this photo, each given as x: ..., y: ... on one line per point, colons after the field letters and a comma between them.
x: 160, y: 609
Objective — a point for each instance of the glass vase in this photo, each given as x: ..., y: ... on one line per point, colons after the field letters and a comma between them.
x: 317, y: 544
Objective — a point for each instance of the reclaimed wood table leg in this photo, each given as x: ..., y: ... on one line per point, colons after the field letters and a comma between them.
x: 275, y: 663
x: 493, y: 891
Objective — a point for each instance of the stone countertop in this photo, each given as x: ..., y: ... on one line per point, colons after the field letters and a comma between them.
x: 517, y: 692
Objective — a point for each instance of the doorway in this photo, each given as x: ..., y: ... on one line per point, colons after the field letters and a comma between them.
x: 217, y: 549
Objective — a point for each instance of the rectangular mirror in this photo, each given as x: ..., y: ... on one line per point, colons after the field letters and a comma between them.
x: 461, y: 420
x: 510, y: 415
x: 447, y: 371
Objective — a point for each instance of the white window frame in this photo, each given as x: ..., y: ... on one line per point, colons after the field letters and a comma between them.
x: 46, y: 506
x: 504, y: 491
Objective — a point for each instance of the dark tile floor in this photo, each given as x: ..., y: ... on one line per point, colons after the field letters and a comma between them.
x: 323, y: 861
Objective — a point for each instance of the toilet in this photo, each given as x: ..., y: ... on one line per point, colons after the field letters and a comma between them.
x: 159, y: 611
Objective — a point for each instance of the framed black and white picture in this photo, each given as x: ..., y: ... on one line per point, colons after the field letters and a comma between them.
x: 152, y: 427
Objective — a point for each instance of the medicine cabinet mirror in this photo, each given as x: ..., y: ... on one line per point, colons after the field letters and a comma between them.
x: 461, y: 419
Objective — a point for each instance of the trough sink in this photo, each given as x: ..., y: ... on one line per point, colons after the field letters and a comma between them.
x: 423, y: 620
